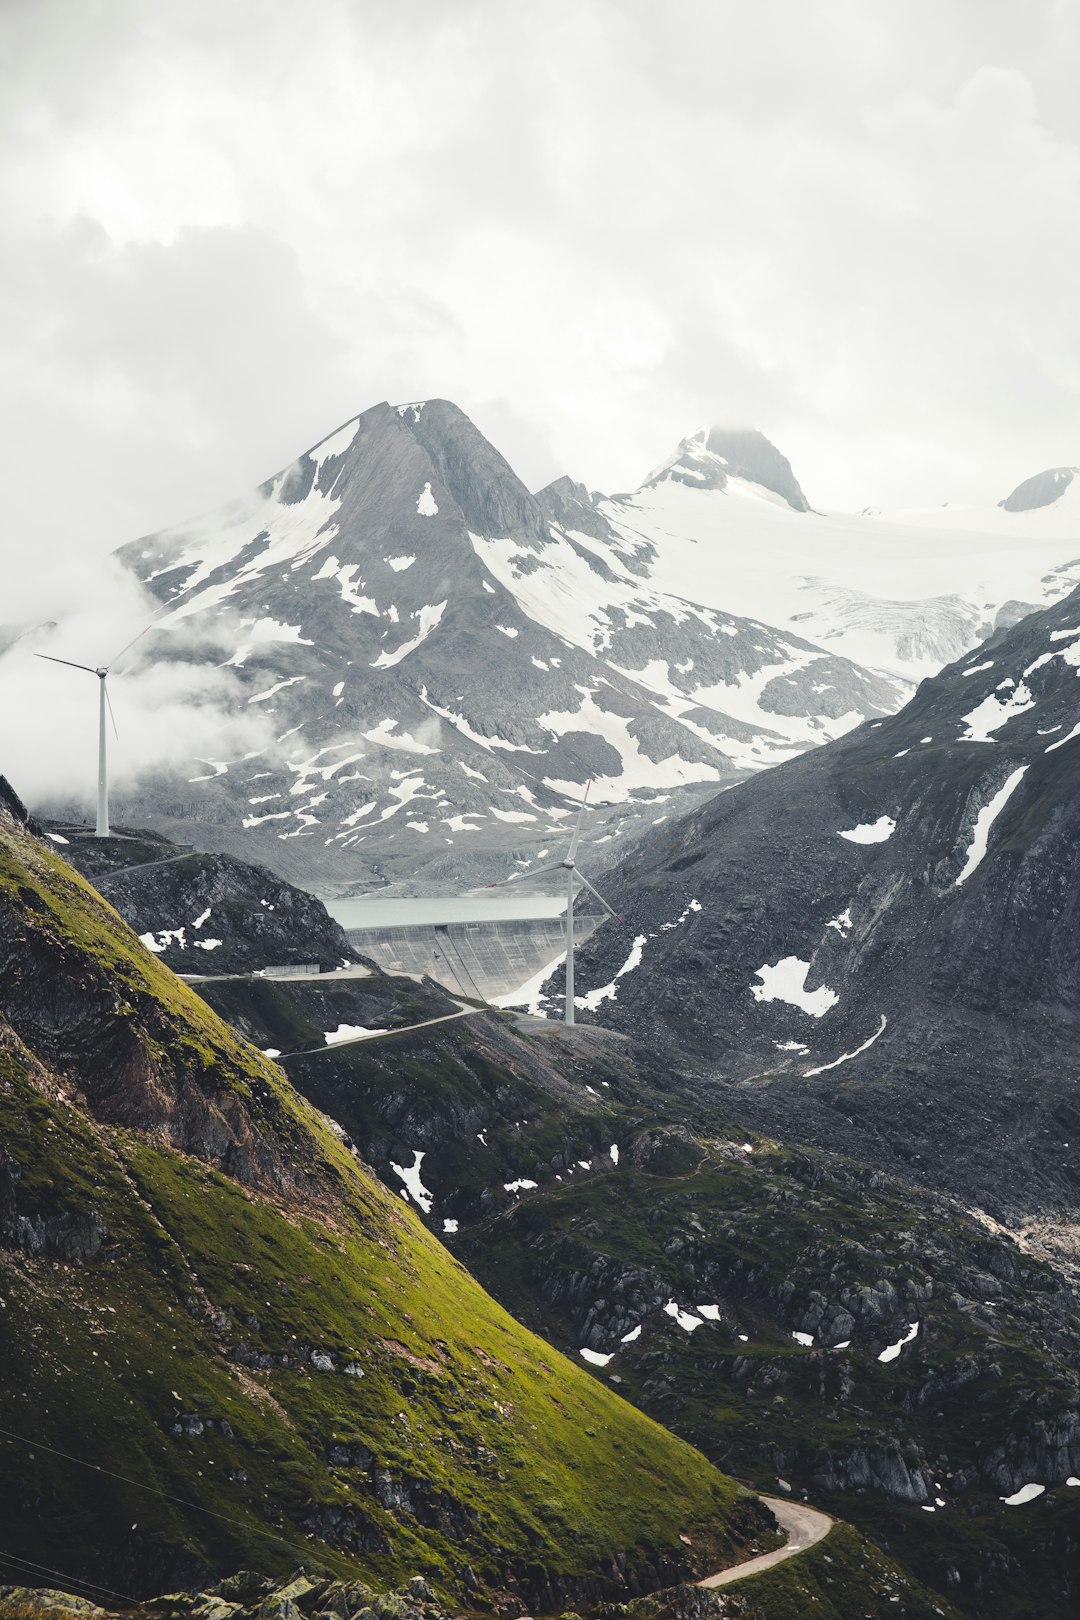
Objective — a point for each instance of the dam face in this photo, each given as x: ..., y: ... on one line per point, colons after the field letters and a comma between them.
x: 489, y: 959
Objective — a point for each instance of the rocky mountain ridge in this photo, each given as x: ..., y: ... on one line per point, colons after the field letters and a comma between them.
x: 445, y: 667
x: 874, y: 944
x: 903, y: 591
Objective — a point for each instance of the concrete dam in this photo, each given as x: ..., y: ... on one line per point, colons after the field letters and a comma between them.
x: 494, y: 950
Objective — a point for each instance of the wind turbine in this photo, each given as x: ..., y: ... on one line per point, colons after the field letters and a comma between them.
x: 571, y: 869
x: 101, y: 830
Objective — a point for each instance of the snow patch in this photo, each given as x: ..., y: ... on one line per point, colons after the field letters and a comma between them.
x: 163, y: 939
x: 846, y: 1057
x: 984, y: 821
x: 891, y: 1351
x: 686, y: 1321
x: 594, y: 1358
x: 430, y: 616
x: 349, y: 1032
x: 870, y: 832
x: 607, y: 992
x: 410, y: 1175
x: 994, y: 712
x: 1075, y: 732
x: 786, y: 981
x: 1026, y: 1493
x: 425, y: 504
x: 336, y: 444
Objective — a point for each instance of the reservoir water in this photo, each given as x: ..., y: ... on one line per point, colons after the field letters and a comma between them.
x: 374, y: 911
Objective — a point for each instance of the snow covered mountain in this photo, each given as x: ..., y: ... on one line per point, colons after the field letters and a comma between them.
x: 905, y: 592
x: 448, y: 659
x: 876, y: 946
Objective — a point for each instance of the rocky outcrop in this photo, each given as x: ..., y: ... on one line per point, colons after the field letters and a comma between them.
x: 1041, y: 490
x: 204, y: 913
x: 708, y: 458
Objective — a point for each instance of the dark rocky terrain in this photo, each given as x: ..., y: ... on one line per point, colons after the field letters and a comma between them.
x: 204, y: 913
x: 573, y: 1175
x: 874, y: 947
x: 850, y: 1578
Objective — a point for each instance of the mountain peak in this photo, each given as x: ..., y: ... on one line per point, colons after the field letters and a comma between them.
x: 1042, y: 490
x: 708, y: 458
x: 574, y: 507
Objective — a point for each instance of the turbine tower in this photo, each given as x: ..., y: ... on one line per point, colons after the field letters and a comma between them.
x: 101, y: 829
x: 570, y: 867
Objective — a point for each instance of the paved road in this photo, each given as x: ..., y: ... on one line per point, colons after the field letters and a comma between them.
x: 379, y: 1034
x: 356, y: 971
x: 804, y: 1526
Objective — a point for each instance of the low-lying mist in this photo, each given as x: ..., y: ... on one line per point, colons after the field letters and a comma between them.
x: 171, y: 710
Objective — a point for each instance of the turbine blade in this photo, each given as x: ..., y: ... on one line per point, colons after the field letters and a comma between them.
x: 609, y: 909
x: 50, y: 659
x: 108, y: 705
x: 577, y: 825
x: 116, y: 656
x: 523, y: 877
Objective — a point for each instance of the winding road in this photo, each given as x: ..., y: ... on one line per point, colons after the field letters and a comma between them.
x: 805, y: 1527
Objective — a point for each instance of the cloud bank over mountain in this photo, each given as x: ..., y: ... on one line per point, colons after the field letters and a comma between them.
x: 591, y: 224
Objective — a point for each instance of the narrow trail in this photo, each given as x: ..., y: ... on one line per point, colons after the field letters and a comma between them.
x: 805, y: 1527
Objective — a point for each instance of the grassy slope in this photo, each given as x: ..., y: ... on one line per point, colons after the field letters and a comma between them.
x: 513, y: 1460
x: 759, y: 1232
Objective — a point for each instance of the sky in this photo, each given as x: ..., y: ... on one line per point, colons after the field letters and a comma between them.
x: 595, y: 225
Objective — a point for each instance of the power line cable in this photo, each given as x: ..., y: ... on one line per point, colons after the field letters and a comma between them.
x: 27, y: 1565
x: 154, y: 1490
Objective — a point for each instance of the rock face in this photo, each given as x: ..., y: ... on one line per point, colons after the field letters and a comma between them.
x: 445, y: 666
x: 708, y: 458
x: 1042, y: 490
x: 206, y: 914
x: 875, y: 946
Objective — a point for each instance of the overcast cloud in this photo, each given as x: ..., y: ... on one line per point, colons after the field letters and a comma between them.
x: 594, y: 225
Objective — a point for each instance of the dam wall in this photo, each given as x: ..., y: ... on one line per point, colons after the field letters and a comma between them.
x: 485, y: 959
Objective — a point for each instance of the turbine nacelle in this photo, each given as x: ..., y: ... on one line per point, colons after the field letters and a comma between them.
x: 569, y: 866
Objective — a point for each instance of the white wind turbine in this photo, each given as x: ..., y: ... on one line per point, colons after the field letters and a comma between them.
x: 570, y: 868
x: 101, y: 830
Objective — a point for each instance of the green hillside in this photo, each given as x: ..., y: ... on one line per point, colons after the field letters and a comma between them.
x: 225, y: 1344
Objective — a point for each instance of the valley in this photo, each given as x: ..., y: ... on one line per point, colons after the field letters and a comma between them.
x: 789, y: 1216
